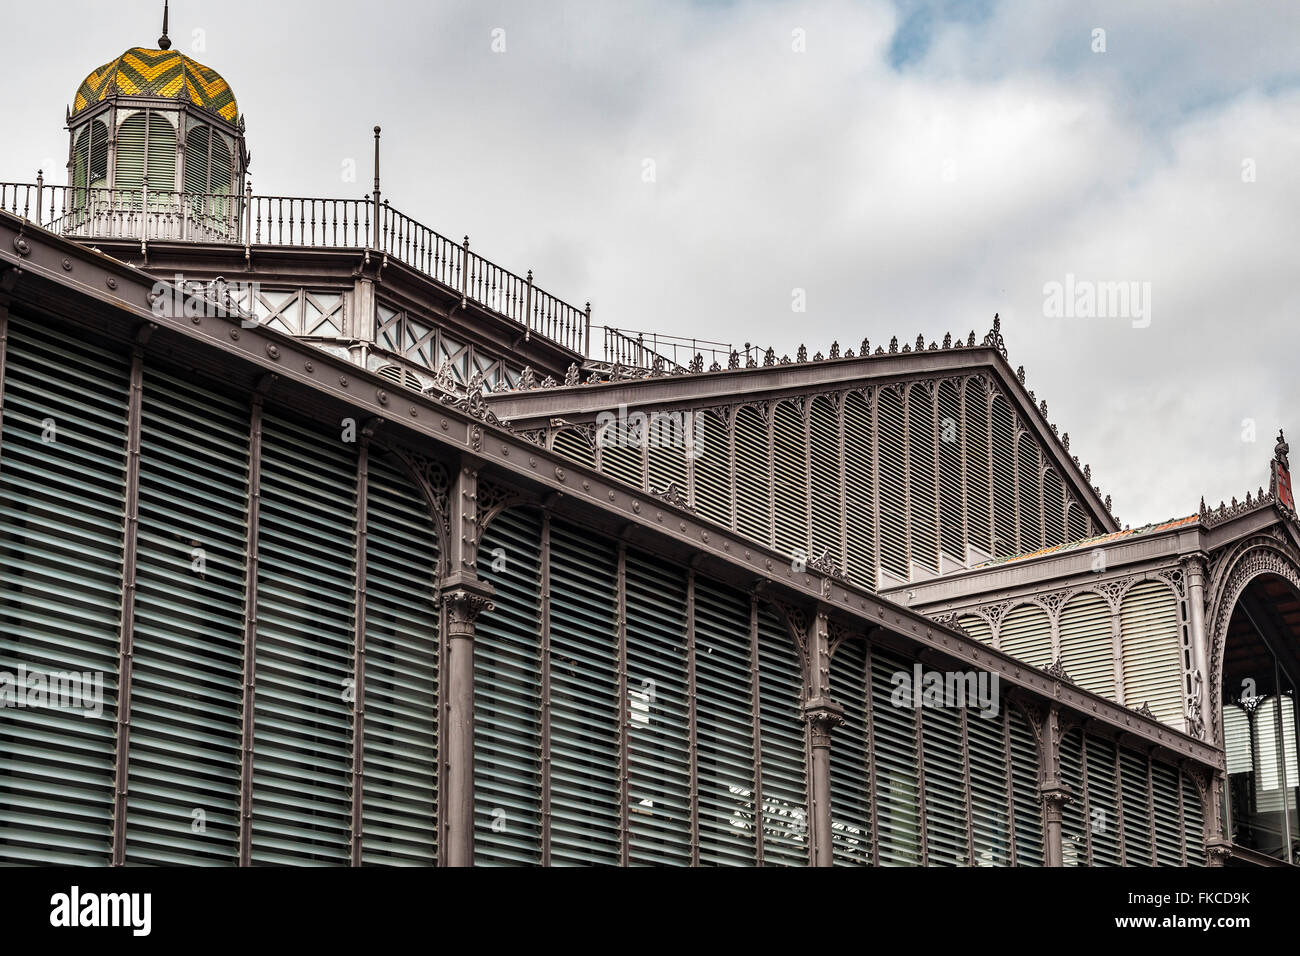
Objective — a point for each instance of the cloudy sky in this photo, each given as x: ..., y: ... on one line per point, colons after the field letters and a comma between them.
x: 911, y: 165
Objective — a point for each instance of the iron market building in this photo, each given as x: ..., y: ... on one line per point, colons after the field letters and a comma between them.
x: 383, y: 554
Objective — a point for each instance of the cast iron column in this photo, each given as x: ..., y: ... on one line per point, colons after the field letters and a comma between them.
x: 823, y: 715
x: 1055, y: 792
x: 465, y: 596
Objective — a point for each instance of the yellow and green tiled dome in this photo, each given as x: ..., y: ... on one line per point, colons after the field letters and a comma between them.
x: 158, y: 73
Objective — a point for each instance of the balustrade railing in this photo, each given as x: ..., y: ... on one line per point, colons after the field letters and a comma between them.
x: 151, y: 215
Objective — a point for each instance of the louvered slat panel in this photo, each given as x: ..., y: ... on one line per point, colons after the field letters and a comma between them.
x: 986, y: 742
x: 1086, y: 648
x: 1026, y: 633
x: 712, y: 469
x: 850, y: 784
x: 1103, y: 805
x: 725, y: 725
x: 61, y: 522
x: 586, y: 798
x: 783, y: 745
x: 306, y: 577
x: 1164, y: 793
x: 945, y: 787
x: 859, y: 482
x: 1193, y: 823
x: 897, y: 795
x: 790, y: 478
x: 952, y: 539
x: 573, y: 445
x: 891, y: 472
x: 753, y: 476
x: 977, y: 627
x: 1136, y: 793
x: 1030, y: 494
x: 1027, y: 805
x: 1053, y: 509
x: 1074, y: 823
x: 198, y: 144
x: 400, y: 780
x: 923, y: 505
x: 978, y: 490
x: 129, y: 154
x: 1153, y: 668
x: 658, y: 735
x: 622, y: 455
x: 1076, y: 522
x: 508, y: 694
x: 666, y: 449
x: 1002, y: 444
x: 187, y: 672
x: 825, y: 461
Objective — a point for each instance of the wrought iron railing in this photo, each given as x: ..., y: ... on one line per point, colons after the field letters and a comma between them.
x: 640, y: 350
x: 152, y: 215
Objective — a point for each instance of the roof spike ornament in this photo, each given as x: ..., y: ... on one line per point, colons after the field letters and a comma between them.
x: 835, y: 349
x: 571, y: 374
x: 893, y: 345
x: 947, y: 340
x: 920, y: 343
x: 163, y: 42
x: 970, y: 341
x: 866, y: 348
x: 733, y: 361
x: 802, y: 354
x: 1203, y: 510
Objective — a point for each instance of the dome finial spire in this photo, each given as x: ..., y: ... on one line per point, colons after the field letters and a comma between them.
x: 163, y: 42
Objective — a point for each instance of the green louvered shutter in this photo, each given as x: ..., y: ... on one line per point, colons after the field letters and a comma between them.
x: 1026, y: 633
x: 946, y: 828
x: 783, y: 745
x: 978, y: 490
x: 1193, y: 823
x: 825, y: 462
x: 892, y: 471
x: 850, y: 783
x: 859, y: 496
x: 1152, y: 648
x: 61, y: 523
x: 659, y: 776
x: 923, y: 503
x: 1137, y: 808
x: 187, y: 674
x: 586, y: 798
x: 712, y: 468
x: 1103, y: 805
x: 790, y: 478
x: 302, y: 761
x: 400, y: 767
x: 1027, y: 804
x: 986, y: 742
x: 898, y: 819
x: 753, y: 476
x: 1087, y: 650
x: 198, y: 144
x: 1169, y: 829
x: 725, y: 730
x: 1074, y: 834
x: 508, y: 694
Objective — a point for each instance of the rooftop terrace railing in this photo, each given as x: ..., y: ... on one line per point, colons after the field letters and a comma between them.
x: 163, y: 215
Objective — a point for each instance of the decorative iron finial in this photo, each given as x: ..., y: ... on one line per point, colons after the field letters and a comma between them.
x: 1281, y: 450
x: 163, y: 42
x: 994, y: 337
